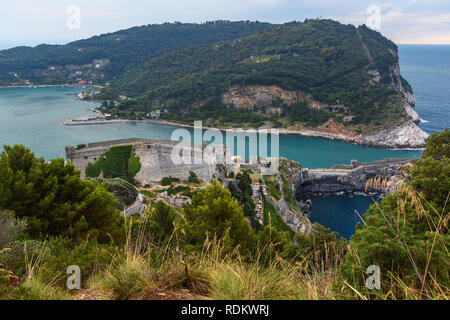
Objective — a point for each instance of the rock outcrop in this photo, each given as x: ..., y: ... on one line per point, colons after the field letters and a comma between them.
x: 287, y: 207
x: 293, y: 218
x: 261, y: 97
x: 138, y: 207
x: 407, y: 135
x: 342, y: 179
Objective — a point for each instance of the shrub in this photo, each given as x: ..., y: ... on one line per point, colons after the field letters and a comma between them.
x: 53, y: 199
x: 167, y: 181
x: 214, y: 213
x: 10, y: 228
x: 90, y: 256
x: 20, y: 256
x: 193, y: 178
x: 31, y: 289
x: 406, y: 235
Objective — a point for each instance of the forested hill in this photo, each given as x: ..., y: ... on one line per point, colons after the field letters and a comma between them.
x: 296, y: 74
x: 117, y: 52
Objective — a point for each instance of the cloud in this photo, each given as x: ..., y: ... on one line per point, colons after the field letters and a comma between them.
x: 32, y: 22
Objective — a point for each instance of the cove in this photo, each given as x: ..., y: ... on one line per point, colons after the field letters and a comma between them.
x: 35, y: 118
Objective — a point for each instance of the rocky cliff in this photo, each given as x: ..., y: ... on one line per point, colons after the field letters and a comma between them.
x: 407, y: 135
x: 346, y: 179
x: 287, y: 206
x: 259, y: 99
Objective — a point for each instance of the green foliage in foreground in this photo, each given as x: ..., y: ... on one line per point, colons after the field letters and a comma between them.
x: 211, y: 250
x: 271, y: 218
x: 53, y: 199
x: 243, y: 192
x: 320, y: 57
x: 213, y: 213
x: 406, y: 235
x: 32, y: 289
x: 10, y: 228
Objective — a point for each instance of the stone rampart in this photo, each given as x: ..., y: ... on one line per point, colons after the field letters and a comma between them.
x: 155, y: 157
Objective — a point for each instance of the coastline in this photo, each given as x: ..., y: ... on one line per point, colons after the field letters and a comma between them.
x: 406, y: 136
x: 73, y: 85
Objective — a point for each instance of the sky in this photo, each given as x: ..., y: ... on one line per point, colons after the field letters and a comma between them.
x: 32, y: 22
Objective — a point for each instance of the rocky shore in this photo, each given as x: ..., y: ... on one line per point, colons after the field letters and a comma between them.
x: 347, y: 180
x: 405, y: 136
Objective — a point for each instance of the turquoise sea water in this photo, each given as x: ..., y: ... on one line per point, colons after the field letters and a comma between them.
x: 35, y: 117
x: 427, y: 69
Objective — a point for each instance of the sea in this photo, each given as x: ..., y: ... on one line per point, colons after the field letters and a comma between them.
x: 35, y: 117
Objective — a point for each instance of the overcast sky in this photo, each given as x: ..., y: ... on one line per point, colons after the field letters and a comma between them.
x: 31, y: 22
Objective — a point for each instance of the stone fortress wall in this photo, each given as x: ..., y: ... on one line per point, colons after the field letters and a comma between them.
x: 155, y: 158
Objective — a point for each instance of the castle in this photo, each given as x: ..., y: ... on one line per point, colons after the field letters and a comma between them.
x: 156, y: 158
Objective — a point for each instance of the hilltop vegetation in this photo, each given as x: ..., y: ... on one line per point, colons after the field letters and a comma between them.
x: 183, y: 70
x: 322, y: 58
x: 120, y: 51
x: 208, y: 249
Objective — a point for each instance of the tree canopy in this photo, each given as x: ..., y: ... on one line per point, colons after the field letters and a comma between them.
x: 213, y: 213
x: 53, y: 199
x: 407, y: 233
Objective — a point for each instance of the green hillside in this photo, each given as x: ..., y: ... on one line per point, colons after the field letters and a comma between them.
x: 321, y: 57
x: 349, y: 75
x: 124, y: 50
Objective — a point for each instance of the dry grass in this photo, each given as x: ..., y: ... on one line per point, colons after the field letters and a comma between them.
x: 398, y: 289
x: 214, y: 275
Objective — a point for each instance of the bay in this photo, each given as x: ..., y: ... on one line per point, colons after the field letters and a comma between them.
x: 35, y: 118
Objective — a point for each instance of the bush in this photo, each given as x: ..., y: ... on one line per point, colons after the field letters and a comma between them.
x: 161, y: 221
x: 90, y: 256
x: 20, y: 256
x: 32, y: 289
x: 167, y: 181
x: 193, y: 178
x: 10, y: 228
x: 213, y: 213
x: 406, y: 234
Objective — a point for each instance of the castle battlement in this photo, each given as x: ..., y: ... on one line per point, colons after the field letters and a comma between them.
x: 155, y: 157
